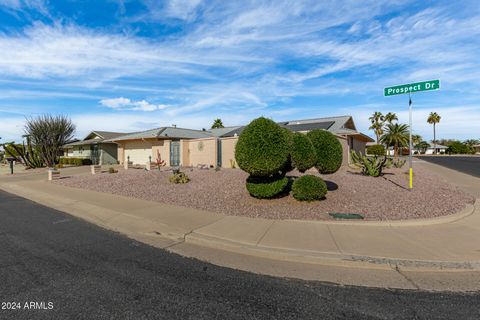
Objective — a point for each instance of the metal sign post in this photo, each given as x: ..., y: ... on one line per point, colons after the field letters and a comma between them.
x: 411, y: 88
x: 410, y: 144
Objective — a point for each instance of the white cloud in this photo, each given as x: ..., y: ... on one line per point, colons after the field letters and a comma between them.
x: 127, y: 104
x: 182, y: 9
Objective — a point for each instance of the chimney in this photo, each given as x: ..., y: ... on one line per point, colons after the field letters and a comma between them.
x: 174, y: 125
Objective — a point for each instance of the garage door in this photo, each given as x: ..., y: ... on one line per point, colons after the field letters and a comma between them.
x: 138, y: 151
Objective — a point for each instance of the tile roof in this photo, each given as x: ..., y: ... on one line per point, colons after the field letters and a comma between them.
x: 171, y: 132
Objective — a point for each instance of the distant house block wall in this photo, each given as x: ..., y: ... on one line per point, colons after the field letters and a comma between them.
x: 201, y: 151
x: 120, y: 153
x: 228, y: 151
x: 159, y: 147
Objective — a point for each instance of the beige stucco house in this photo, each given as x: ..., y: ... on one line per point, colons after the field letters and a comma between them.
x: 216, y: 147
x: 94, y: 147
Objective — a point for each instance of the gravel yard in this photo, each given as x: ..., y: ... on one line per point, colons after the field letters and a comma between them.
x: 384, y: 198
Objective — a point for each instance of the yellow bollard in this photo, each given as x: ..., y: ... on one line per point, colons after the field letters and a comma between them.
x: 411, y: 178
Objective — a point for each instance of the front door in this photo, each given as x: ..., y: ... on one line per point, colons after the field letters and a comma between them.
x: 174, y: 153
x: 94, y: 153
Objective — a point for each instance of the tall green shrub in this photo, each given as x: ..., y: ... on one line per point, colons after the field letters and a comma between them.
x: 328, y: 150
x: 302, y: 152
x: 262, y: 149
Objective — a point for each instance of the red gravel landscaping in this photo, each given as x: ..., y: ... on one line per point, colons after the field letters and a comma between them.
x: 384, y: 198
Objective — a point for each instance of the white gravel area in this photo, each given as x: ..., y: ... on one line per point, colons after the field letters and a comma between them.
x: 383, y: 198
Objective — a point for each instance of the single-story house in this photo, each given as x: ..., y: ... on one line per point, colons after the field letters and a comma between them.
x: 94, y: 147
x: 216, y: 147
x: 477, y: 148
x: 438, y: 147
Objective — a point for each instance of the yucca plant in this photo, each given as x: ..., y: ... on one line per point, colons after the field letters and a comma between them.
x: 371, y: 166
x: 48, y: 134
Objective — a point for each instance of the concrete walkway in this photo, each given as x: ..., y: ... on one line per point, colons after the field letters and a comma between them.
x: 450, y: 244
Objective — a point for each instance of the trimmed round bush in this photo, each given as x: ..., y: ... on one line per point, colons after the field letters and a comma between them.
x: 263, y: 148
x: 309, y: 188
x: 302, y: 152
x: 328, y: 149
x: 376, y: 150
x: 266, y: 187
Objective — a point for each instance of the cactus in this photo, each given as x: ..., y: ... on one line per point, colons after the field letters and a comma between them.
x: 28, y: 153
x: 371, y: 166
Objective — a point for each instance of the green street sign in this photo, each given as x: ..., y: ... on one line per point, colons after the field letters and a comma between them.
x: 412, y: 87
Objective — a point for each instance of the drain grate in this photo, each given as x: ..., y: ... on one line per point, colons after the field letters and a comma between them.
x: 349, y: 216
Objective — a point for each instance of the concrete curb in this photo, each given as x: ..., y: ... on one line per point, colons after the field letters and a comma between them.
x: 465, y: 212
x: 331, y: 258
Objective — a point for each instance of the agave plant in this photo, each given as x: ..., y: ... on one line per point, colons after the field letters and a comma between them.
x: 372, y: 165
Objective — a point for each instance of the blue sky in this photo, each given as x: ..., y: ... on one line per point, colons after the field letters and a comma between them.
x: 134, y: 65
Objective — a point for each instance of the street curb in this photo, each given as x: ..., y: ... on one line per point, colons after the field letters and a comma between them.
x: 331, y: 258
x: 463, y: 213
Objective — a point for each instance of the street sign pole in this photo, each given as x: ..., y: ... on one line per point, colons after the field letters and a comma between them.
x: 411, y: 88
x: 410, y: 144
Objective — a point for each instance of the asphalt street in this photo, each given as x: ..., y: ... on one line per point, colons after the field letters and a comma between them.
x: 469, y: 165
x: 76, y: 270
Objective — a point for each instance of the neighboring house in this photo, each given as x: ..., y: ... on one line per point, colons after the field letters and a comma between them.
x: 216, y: 147
x: 477, y: 148
x: 438, y: 147
x: 94, y: 147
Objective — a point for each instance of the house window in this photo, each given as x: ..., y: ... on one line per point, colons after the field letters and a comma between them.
x: 80, y: 150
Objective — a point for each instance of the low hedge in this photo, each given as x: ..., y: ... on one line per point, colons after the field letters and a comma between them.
x: 328, y: 149
x: 75, y: 161
x: 266, y: 187
x: 309, y: 188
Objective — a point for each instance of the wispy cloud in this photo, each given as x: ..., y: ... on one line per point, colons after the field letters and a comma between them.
x: 127, y: 104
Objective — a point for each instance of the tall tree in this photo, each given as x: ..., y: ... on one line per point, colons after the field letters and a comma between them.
x: 217, y: 123
x: 48, y: 134
x: 396, y: 135
x: 377, y: 119
x: 434, y: 118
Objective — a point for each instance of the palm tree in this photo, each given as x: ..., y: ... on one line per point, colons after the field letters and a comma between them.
x: 217, y: 123
x: 377, y: 120
x: 416, y: 139
x: 434, y: 118
x: 390, y: 117
x: 396, y: 135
